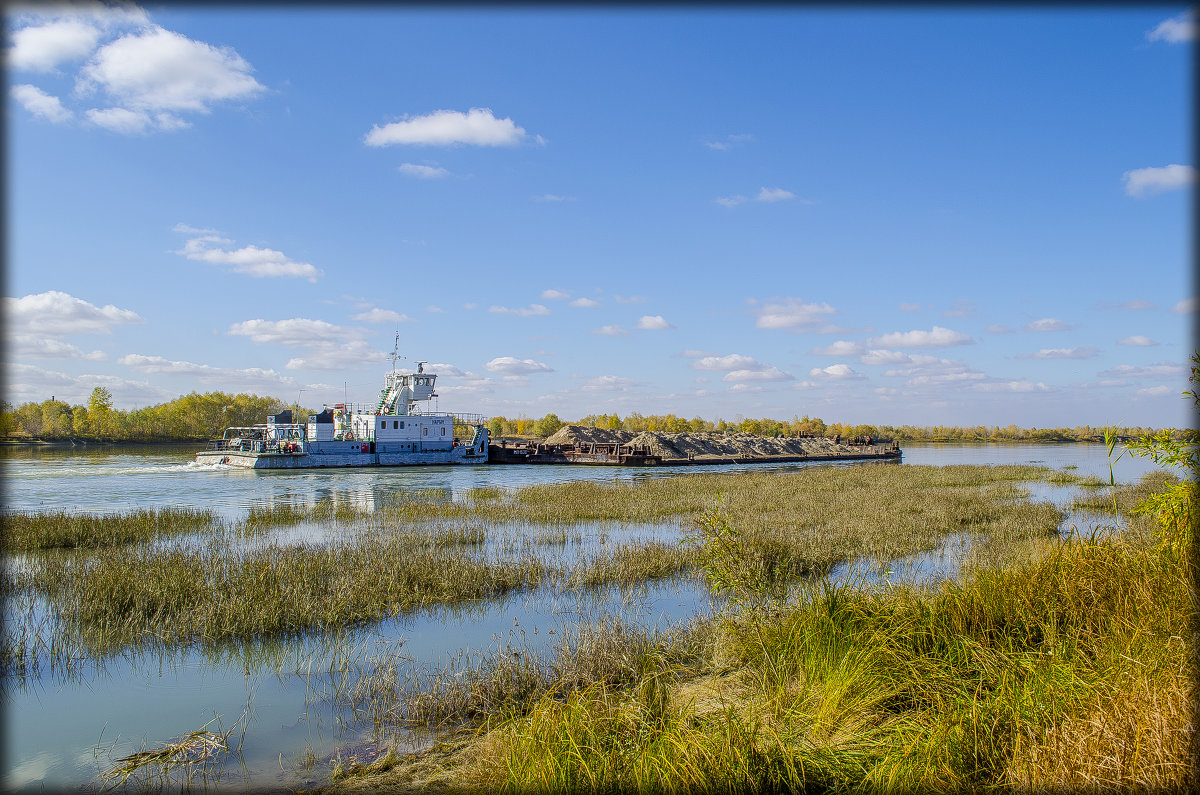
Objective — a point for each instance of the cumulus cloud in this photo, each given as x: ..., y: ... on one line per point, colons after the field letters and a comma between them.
x: 923, y: 370
x: 836, y: 372
x: 511, y: 365
x: 134, y: 122
x: 477, y: 127
x: 555, y: 295
x: 1137, y: 341
x: 377, y: 315
x: 33, y: 346
x: 1141, y: 183
x: 584, y: 303
x: 57, y: 314
x: 158, y: 69
x: 249, y: 376
x: 1184, y: 307
x: 1084, y: 352
x: 763, y: 372
x: 1154, y: 391
x: 840, y: 348
x: 1046, y: 324
x: 791, y: 313
x: 612, y: 331
x: 653, y: 323
x: 937, y: 337
x: 40, y: 104
x: 422, y: 171
x: 1175, y: 30
x: 45, y: 37
x: 250, y: 260
x: 524, y: 311
x: 730, y: 201
x: 326, y: 346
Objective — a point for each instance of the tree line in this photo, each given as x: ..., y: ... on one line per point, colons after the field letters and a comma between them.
x: 196, y: 417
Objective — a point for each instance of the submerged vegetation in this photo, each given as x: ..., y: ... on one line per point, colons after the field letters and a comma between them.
x: 25, y: 532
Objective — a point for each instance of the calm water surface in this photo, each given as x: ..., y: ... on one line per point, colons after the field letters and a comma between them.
x: 61, y: 731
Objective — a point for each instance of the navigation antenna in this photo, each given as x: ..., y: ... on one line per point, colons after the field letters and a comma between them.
x: 395, y: 352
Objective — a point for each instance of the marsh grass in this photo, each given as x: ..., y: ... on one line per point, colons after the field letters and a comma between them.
x: 196, y: 753
x: 29, y: 532
x: 1065, y: 672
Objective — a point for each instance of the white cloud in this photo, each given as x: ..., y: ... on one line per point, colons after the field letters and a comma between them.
x: 1084, y: 352
x: 255, y: 376
x: 773, y: 195
x: 250, y: 260
x: 477, y: 127
x: 836, y: 372
x: 762, y: 372
x: 1186, y: 306
x: 511, y: 365
x: 158, y: 69
x: 1143, y: 182
x: 40, y: 104
x: 878, y: 356
x: 529, y: 311
x: 555, y: 295
x: 937, y: 337
x: 1010, y: 386
x: 445, y: 369
x: 611, y: 331
x: 327, y: 347
x: 930, y: 370
x: 1175, y: 30
x: 1137, y: 341
x: 34, y: 346
x: 134, y: 122
x: 840, y: 348
x: 377, y: 315
x: 730, y: 201
x: 1146, y: 371
x: 608, y: 383
x: 584, y: 303
x: 29, y: 383
x: 41, y: 48
x: 57, y: 314
x: 1154, y: 391
x: 729, y: 141
x: 746, y: 388
x: 421, y: 171
x: 653, y: 323
x: 1046, y: 324
x: 791, y: 313
x: 732, y: 361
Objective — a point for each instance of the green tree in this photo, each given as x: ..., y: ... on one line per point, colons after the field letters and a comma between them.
x: 547, y: 425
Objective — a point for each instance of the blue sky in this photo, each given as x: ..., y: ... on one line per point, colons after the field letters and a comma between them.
x: 935, y: 215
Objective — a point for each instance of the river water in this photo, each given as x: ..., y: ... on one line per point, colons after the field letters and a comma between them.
x: 61, y: 731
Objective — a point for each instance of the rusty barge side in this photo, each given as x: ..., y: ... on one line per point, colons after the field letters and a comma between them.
x: 611, y: 454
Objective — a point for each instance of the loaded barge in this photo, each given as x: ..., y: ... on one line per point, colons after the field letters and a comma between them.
x: 599, y: 453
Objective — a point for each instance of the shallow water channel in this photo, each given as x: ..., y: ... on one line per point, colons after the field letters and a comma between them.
x: 61, y: 730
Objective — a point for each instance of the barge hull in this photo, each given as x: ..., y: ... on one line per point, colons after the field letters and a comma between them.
x: 250, y: 460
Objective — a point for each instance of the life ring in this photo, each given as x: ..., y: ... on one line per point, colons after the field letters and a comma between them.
x: 349, y: 436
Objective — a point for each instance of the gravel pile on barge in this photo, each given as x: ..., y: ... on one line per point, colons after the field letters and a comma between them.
x: 676, y: 446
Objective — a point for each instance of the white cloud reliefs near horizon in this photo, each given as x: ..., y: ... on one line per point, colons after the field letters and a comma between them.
x: 1141, y: 183
x: 326, y: 346
x: 143, y: 79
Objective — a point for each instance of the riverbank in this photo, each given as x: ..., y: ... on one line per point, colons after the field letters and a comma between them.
x: 1068, y: 667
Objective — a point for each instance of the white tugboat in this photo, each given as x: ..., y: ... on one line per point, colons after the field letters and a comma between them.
x: 397, y: 431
